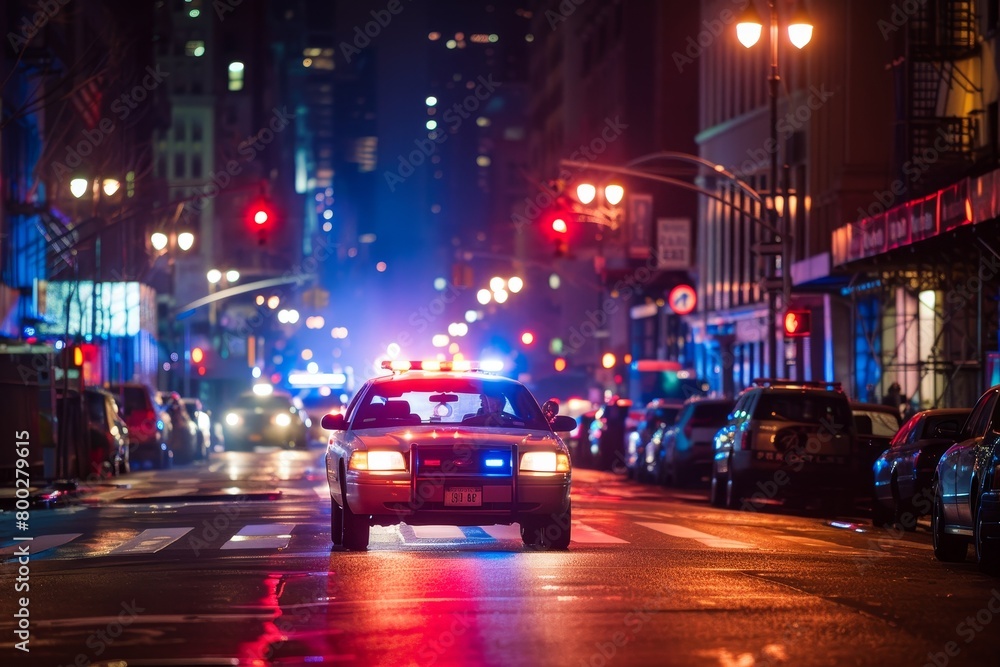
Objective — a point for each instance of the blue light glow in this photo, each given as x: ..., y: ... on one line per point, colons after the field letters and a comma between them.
x: 494, y: 463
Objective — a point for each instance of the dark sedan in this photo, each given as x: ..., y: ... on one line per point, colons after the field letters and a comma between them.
x: 265, y: 417
x: 905, y: 471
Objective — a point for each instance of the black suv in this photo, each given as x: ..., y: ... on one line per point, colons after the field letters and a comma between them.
x: 783, y: 438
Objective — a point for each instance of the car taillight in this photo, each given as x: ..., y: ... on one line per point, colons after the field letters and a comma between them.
x: 744, y: 441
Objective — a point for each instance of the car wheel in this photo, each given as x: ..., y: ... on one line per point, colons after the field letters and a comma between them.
x: 336, y: 523
x: 552, y: 532
x: 716, y: 492
x: 881, y: 515
x: 356, y: 529
x: 947, y: 548
x: 734, y: 489
x: 987, y: 553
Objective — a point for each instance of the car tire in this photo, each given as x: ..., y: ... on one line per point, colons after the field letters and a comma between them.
x: 735, y: 489
x: 357, y: 529
x: 947, y: 548
x: 552, y: 533
x: 987, y: 553
x: 716, y: 492
x: 881, y: 515
x: 336, y: 523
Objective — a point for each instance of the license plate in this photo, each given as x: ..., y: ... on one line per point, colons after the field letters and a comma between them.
x: 463, y: 496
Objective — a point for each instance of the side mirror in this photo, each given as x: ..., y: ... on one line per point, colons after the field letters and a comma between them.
x: 563, y: 424
x: 550, y: 409
x: 334, y: 423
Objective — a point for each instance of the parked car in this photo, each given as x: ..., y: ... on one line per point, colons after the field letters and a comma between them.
x: 659, y: 414
x: 784, y: 439
x: 967, y: 488
x: 904, y: 473
x: 265, y: 417
x: 682, y: 452
x: 108, y: 434
x: 607, y: 435
x: 148, y: 424
x: 203, y: 426
x: 875, y: 425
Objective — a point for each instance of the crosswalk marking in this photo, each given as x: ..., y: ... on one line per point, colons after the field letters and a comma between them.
x: 322, y: 491
x: 438, y: 532
x: 704, y: 538
x: 39, y: 544
x: 583, y: 534
x: 261, y: 536
x: 512, y: 532
x: 150, y: 541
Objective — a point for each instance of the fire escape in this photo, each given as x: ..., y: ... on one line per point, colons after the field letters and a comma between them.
x: 942, y: 361
x: 940, y: 35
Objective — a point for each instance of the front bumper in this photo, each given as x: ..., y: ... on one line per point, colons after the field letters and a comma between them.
x: 397, y: 497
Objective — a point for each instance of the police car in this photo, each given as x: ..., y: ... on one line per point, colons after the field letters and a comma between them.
x: 445, y: 443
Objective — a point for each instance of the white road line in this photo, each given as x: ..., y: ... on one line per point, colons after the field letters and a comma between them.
x: 39, y: 544
x: 503, y: 532
x: 438, y: 532
x: 583, y: 534
x: 704, y: 538
x: 820, y: 544
x: 261, y: 536
x: 151, y: 540
x: 322, y: 491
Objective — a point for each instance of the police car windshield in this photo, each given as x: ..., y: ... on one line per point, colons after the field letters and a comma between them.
x: 448, y: 401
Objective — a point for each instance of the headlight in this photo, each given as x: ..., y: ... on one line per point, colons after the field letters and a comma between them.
x: 282, y: 419
x: 233, y: 419
x: 377, y: 460
x: 544, y: 462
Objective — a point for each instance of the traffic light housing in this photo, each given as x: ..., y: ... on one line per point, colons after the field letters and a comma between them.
x: 559, y: 231
x: 797, y: 323
x: 261, y: 219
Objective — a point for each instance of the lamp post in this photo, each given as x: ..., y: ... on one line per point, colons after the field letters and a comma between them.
x: 748, y: 31
x: 168, y: 241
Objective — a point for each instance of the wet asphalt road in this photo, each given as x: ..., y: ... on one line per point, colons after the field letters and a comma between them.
x: 228, y: 562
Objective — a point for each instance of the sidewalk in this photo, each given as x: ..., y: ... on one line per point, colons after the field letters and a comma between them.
x: 58, y: 493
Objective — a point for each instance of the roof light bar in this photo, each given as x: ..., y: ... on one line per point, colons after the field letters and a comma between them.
x: 459, y: 366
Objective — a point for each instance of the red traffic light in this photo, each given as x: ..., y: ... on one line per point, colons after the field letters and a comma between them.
x: 260, y: 216
x: 559, y: 226
x: 797, y: 323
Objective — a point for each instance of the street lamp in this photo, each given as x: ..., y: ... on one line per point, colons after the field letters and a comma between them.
x: 748, y: 32
x: 606, y: 213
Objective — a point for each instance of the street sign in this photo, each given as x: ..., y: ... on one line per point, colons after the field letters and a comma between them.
x: 682, y: 300
x: 673, y: 243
